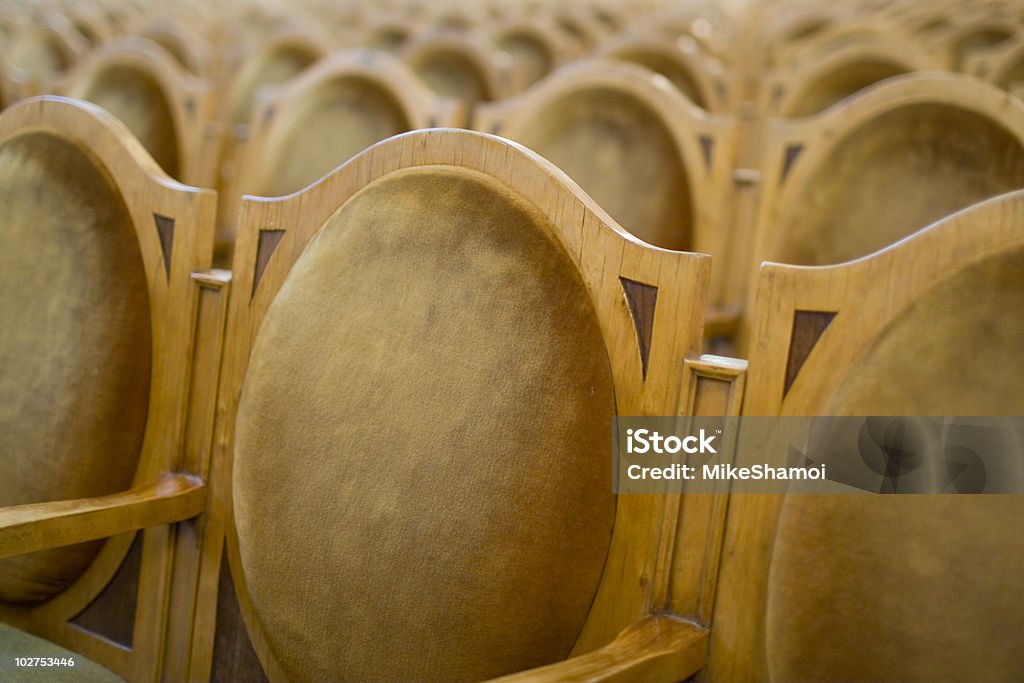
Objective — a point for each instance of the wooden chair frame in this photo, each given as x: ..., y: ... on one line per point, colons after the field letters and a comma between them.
x: 283, y: 107
x: 706, y: 73
x: 174, y: 225
x: 783, y: 92
x: 842, y: 34
x: 714, y: 37
x: 21, y: 84
x: 657, y: 565
x: 948, y: 44
x: 865, y: 297
x: 793, y: 151
x: 559, y: 49
x: 189, y: 98
x: 188, y: 49
x: 704, y: 142
x: 500, y: 80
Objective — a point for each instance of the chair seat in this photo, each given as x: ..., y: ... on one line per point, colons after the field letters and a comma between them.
x: 15, y: 643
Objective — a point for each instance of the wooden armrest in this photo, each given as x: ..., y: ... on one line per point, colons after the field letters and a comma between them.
x: 38, y: 526
x: 657, y: 648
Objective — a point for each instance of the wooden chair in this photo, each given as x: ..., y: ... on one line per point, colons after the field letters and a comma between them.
x: 388, y: 33
x: 168, y: 110
x: 535, y: 46
x: 896, y: 158
x: 866, y: 31
x: 839, y: 73
x: 108, y: 387
x: 786, y: 31
x: 92, y: 26
x: 702, y: 79
x: 578, y: 26
x: 412, y: 339
x: 41, y: 54
x: 188, y: 49
x: 705, y: 24
x: 957, y: 43
x: 345, y: 103
x: 647, y: 155
x: 463, y: 66
x: 277, y: 61
x: 1001, y: 65
x: 889, y: 587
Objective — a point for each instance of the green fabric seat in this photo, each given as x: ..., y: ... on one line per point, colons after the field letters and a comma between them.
x: 16, y: 643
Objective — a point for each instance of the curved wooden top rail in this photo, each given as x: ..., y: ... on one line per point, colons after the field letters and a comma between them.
x: 275, y: 231
x: 285, y: 111
x: 793, y: 94
x: 796, y: 149
x: 522, y: 39
x: 494, y: 67
x: 188, y: 99
x: 699, y: 77
x: 508, y: 116
x: 188, y: 49
x: 905, y: 270
x: 249, y: 72
x: 703, y: 142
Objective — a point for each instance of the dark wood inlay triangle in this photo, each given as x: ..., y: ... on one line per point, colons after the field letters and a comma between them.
x: 642, y: 300
x: 269, y: 239
x: 808, y: 326
x: 165, y: 229
x: 707, y: 145
x: 792, y: 154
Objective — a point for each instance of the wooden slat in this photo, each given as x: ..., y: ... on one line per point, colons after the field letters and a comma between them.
x: 38, y: 526
x: 657, y: 648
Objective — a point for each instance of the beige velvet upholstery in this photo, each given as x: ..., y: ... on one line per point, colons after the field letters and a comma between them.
x: 624, y: 157
x: 15, y: 643
x: 422, y: 489
x: 915, y: 587
x: 337, y: 122
x: 138, y: 100
x: 74, y: 345
x: 898, y: 173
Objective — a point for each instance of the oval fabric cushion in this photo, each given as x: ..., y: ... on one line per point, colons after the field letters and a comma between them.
x: 336, y: 121
x: 894, y: 175
x: 422, y: 478
x: 913, y: 587
x: 74, y: 345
